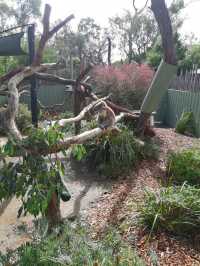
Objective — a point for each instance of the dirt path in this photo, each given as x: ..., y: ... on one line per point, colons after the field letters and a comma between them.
x: 84, y: 189
x: 119, y: 208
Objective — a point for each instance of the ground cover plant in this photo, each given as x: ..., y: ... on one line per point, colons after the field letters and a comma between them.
x: 186, y: 124
x: 175, y: 209
x: 74, y: 247
x: 184, y: 166
x: 115, y: 154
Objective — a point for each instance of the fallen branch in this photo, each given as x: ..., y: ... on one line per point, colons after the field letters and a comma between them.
x: 7, y: 116
x: 81, y: 115
x: 79, y: 139
x: 57, y: 79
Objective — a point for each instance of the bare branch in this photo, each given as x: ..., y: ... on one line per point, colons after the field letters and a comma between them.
x: 47, y: 34
x: 138, y: 12
x: 82, y: 114
x: 57, y: 79
x: 79, y: 139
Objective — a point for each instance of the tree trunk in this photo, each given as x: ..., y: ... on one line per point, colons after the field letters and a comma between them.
x: 109, y: 51
x: 162, y: 17
x: 77, y: 108
x: 53, y: 213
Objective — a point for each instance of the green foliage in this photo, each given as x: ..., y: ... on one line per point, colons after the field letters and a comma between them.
x: 150, y: 150
x: 186, y: 124
x: 34, y: 178
x: 73, y: 247
x: 155, y: 54
x: 78, y: 152
x: 192, y: 57
x: 175, y: 209
x: 184, y: 166
x: 112, y: 154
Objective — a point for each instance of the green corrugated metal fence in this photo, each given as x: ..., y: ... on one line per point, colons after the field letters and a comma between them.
x: 175, y: 103
x: 48, y: 95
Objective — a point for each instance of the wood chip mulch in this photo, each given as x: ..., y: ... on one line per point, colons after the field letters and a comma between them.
x: 119, y: 208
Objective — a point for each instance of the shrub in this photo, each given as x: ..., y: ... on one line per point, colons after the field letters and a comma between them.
x: 184, y: 166
x: 111, y: 154
x: 127, y: 83
x: 186, y: 124
x: 73, y: 247
x: 175, y: 209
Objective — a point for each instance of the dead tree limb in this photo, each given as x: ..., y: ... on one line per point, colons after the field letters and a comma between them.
x: 47, y: 33
x: 79, y: 96
x: 7, y: 116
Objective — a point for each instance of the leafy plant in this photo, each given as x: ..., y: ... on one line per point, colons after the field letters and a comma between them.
x: 111, y: 154
x: 74, y: 247
x: 186, y: 124
x: 127, y: 83
x: 175, y: 209
x: 184, y: 166
x: 33, y: 178
x: 78, y: 151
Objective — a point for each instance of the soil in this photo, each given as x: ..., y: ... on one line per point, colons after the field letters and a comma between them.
x: 104, y: 203
x: 84, y: 188
x: 119, y: 208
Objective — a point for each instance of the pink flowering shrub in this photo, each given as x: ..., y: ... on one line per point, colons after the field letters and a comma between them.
x: 128, y: 83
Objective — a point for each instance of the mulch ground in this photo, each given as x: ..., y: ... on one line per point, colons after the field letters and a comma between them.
x: 119, y: 208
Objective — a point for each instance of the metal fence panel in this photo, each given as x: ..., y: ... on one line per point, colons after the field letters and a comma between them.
x: 177, y: 102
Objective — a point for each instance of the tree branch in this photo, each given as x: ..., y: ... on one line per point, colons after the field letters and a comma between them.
x: 47, y: 34
x: 142, y: 9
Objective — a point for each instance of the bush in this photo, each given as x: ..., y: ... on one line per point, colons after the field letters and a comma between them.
x: 127, y: 83
x: 73, y: 247
x: 111, y: 154
x: 115, y: 154
x: 175, y: 209
x: 184, y: 166
x: 186, y: 124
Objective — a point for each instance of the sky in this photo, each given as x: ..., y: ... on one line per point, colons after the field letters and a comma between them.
x: 101, y: 10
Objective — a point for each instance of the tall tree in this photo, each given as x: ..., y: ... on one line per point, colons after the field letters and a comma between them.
x: 137, y: 31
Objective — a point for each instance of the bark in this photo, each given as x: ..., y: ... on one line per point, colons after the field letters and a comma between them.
x: 53, y: 213
x: 162, y: 17
x: 164, y: 23
x: 79, y: 96
x: 47, y: 34
x: 109, y: 50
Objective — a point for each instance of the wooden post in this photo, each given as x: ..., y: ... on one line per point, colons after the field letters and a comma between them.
x: 33, y: 82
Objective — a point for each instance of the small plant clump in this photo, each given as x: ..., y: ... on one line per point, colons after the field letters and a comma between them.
x: 175, y: 209
x: 115, y: 154
x: 184, y: 166
x: 73, y: 247
x: 110, y: 154
x: 186, y: 124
